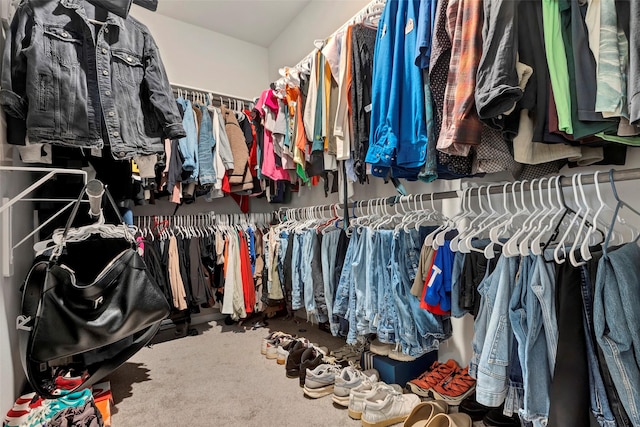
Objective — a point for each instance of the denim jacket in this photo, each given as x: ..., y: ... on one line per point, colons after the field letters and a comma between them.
x: 64, y: 82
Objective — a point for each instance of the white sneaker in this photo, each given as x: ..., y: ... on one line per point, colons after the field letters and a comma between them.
x: 350, y: 378
x: 380, y: 348
x: 270, y: 337
x: 359, y: 394
x: 386, y: 407
x: 320, y: 381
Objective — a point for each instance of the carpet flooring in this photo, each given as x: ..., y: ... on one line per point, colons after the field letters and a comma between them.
x: 219, y: 378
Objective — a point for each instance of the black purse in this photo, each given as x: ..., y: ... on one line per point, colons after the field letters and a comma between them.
x: 88, y: 307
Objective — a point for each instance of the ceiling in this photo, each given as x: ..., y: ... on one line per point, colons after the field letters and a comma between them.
x: 254, y: 21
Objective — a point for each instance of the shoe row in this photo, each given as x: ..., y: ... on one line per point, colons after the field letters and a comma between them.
x: 444, y: 381
x: 368, y: 399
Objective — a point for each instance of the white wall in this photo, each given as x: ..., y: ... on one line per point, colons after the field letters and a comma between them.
x: 197, y: 57
x: 11, y: 375
x: 316, y: 21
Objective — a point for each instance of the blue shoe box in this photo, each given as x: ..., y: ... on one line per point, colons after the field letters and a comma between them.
x: 395, y: 372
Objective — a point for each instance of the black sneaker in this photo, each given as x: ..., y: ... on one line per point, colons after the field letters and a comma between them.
x: 310, y: 359
x: 472, y: 408
x: 495, y: 418
x: 293, y: 363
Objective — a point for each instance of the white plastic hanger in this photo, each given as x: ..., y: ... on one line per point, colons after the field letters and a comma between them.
x: 561, y: 244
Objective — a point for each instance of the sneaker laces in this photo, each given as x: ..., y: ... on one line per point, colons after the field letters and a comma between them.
x: 459, y: 383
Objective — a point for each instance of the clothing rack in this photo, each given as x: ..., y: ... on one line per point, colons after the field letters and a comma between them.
x: 587, y: 178
x: 354, y: 19
x: 217, y: 98
x: 159, y: 223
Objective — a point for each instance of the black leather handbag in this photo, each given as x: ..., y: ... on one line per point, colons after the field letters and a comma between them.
x: 88, y: 307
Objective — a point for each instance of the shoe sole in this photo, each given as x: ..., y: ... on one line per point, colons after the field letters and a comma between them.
x: 316, y: 393
x: 453, y: 401
x: 272, y: 356
x: 384, y: 423
x: 293, y: 376
x: 415, y: 389
x: 342, y: 401
x: 355, y: 414
x: 281, y: 361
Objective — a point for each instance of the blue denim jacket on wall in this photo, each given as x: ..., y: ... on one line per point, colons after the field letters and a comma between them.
x: 61, y: 80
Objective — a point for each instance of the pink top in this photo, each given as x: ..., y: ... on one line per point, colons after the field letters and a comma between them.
x: 269, y: 167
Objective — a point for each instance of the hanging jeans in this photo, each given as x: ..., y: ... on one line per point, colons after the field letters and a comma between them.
x: 617, y: 322
x: 306, y: 274
x: 328, y: 255
x: 387, y: 321
x: 599, y: 401
x: 317, y: 278
x: 206, y: 143
x: 431, y: 329
x: 540, y: 340
x: 361, y: 266
x: 492, y: 371
x: 296, y: 274
x: 344, y: 304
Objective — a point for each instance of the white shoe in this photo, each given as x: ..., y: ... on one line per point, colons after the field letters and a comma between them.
x: 386, y: 407
x: 319, y: 382
x: 350, y: 378
x: 270, y: 337
x: 359, y: 394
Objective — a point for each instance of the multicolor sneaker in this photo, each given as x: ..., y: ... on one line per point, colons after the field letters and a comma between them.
x: 320, y: 381
x: 438, y: 372
x: 271, y: 336
x: 350, y: 378
x: 454, y: 389
x: 386, y: 407
x: 272, y: 346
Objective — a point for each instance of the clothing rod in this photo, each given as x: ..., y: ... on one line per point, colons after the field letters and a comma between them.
x: 342, y: 27
x: 496, y: 188
x: 176, y: 86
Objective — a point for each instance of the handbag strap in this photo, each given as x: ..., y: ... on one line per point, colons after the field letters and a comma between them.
x: 76, y: 206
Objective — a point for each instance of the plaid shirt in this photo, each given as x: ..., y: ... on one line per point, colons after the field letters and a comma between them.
x: 461, y: 126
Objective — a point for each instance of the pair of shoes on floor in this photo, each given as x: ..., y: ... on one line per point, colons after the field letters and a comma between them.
x: 359, y: 394
x: 435, y: 414
x: 283, y: 350
x: 387, y: 405
x: 490, y: 417
x: 270, y: 339
x: 350, y: 378
x: 302, y: 359
x: 445, y: 381
x: 390, y: 350
x: 348, y: 354
x: 320, y: 382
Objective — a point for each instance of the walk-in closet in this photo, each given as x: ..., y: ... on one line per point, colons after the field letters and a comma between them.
x: 417, y: 213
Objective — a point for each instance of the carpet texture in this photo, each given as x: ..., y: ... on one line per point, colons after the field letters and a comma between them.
x: 219, y: 378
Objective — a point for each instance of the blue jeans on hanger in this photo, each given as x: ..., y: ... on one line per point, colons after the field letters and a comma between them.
x: 599, y: 400
x: 360, y: 266
x: 407, y: 328
x: 374, y: 275
x: 430, y: 327
x: 386, y: 322
x: 617, y: 322
x: 205, y: 148
x: 189, y: 144
x: 343, y: 302
x: 329, y: 254
x: 541, y: 340
x: 296, y: 273
x: 308, y: 240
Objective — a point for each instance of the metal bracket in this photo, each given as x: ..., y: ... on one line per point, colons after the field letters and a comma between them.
x: 6, y: 211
